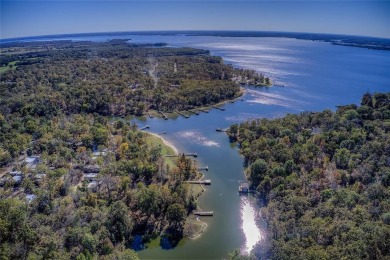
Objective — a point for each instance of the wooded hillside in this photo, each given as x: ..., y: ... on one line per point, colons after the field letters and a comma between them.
x: 111, y: 78
x: 324, y: 179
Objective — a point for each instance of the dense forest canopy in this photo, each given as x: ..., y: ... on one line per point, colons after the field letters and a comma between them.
x: 76, y: 203
x: 324, y: 180
x: 112, y: 78
x: 73, y: 183
x: 42, y: 80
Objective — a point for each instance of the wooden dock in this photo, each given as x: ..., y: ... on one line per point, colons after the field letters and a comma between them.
x: 186, y: 154
x: 205, y: 168
x: 203, y: 110
x: 180, y: 113
x: 219, y: 108
x: 145, y: 127
x: 205, y: 182
x: 193, y: 112
x: 204, y: 213
x: 164, y: 115
x: 244, y: 188
x: 191, y: 154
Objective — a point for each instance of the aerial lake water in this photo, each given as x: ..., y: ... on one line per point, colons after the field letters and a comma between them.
x: 308, y: 76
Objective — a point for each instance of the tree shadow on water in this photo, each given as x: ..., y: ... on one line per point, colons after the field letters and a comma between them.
x: 171, y: 239
x: 138, y: 243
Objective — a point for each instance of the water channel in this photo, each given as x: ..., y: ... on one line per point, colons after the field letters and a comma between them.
x: 308, y: 76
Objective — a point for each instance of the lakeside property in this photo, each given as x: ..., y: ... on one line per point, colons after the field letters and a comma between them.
x: 193, y: 227
x: 194, y: 111
x: 313, y: 82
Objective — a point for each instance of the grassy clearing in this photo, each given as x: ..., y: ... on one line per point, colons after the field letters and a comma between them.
x: 193, y: 228
x: 4, y: 69
x: 165, y: 149
x: 195, y: 190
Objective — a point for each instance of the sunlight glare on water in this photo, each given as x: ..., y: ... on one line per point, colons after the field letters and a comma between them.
x: 197, y: 138
x: 252, y: 232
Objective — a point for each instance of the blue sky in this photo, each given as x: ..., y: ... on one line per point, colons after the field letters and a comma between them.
x: 30, y: 18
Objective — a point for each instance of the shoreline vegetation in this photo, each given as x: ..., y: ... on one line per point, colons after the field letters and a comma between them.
x: 199, y: 110
x: 118, y: 78
x: 193, y: 227
x: 83, y: 181
x: 116, y: 185
x: 165, y: 142
x: 324, y: 180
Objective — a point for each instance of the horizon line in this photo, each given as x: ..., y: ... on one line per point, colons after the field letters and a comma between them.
x: 183, y: 31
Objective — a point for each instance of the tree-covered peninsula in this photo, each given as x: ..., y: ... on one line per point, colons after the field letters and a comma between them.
x: 113, y: 78
x: 324, y: 180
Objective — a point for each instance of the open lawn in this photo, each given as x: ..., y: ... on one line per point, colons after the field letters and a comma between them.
x: 165, y: 149
x: 11, y: 65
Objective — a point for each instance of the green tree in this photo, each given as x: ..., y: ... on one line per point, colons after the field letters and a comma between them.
x: 119, y: 223
x: 176, y: 213
x: 341, y: 158
x: 257, y: 171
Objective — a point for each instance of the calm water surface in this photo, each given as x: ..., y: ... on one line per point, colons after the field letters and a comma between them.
x: 308, y: 76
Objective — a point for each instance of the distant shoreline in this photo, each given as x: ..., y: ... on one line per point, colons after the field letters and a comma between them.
x: 369, y: 42
x: 239, y: 95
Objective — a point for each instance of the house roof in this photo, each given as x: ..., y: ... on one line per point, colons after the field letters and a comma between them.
x: 16, y: 173
x: 17, y: 178
x: 244, y: 185
x: 90, y: 175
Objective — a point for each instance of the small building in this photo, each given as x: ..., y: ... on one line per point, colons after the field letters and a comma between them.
x: 316, y: 130
x: 91, y: 169
x: 30, y: 197
x: 102, y: 153
x: 90, y: 176
x: 92, y: 185
x: 97, y: 154
x: 31, y: 162
x: 16, y: 173
x: 244, y: 187
x: 17, y: 177
x: 39, y: 176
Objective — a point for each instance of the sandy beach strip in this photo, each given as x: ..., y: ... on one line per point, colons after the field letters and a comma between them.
x: 165, y: 142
